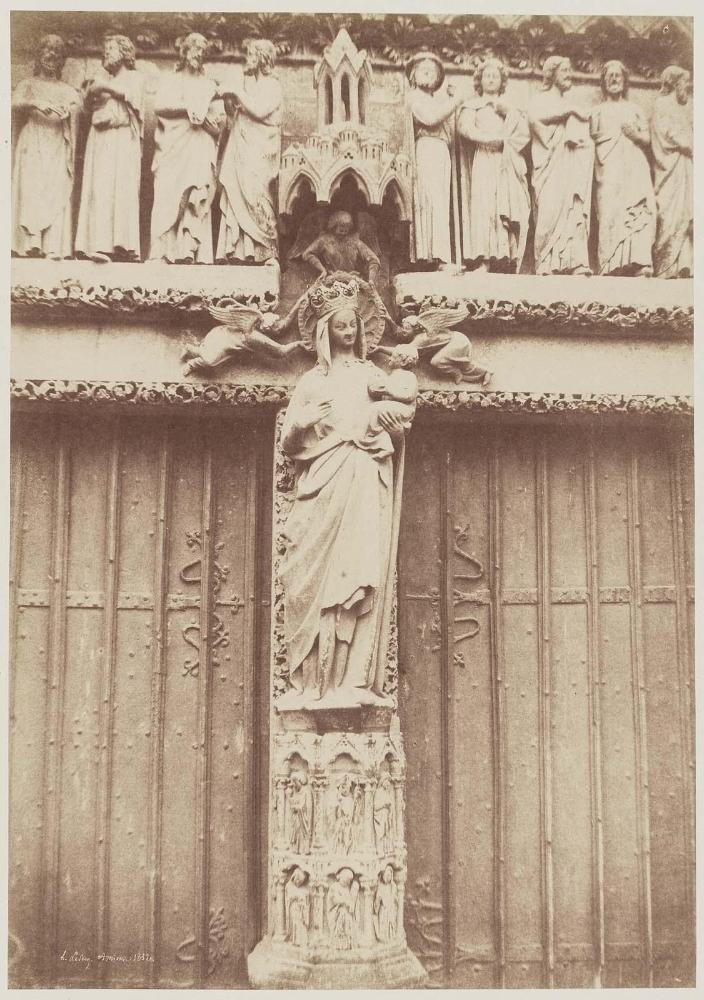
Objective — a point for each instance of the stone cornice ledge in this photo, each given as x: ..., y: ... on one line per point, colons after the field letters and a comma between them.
x: 228, y: 394
x: 71, y: 285
x: 546, y: 304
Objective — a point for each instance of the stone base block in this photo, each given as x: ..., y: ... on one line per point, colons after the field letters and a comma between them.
x: 277, y: 965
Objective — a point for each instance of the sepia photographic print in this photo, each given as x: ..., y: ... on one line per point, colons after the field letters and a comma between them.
x: 351, y: 620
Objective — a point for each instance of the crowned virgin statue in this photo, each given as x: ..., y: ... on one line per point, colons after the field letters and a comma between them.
x: 344, y: 429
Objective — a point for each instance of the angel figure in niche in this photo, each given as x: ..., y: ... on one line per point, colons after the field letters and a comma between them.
x: 243, y: 328
x: 341, y: 247
x: 431, y: 330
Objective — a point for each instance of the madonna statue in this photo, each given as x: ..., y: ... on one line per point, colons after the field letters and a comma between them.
x: 344, y: 429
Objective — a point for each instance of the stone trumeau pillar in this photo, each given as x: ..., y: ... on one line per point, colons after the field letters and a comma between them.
x: 337, y: 854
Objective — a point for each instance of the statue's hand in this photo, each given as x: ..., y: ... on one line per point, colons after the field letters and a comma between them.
x: 313, y: 413
x: 391, y: 420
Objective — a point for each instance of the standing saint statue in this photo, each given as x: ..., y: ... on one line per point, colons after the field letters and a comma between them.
x: 386, y: 907
x: 250, y: 163
x: 432, y: 112
x: 342, y: 532
x: 300, y: 812
x: 672, y: 138
x: 563, y: 162
x: 43, y: 170
x: 624, y: 191
x: 384, y: 815
x: 341, y: 910
x: 108, y: 220
x: 189, y: 121
x: 297, y: 904
x: 496, y: 200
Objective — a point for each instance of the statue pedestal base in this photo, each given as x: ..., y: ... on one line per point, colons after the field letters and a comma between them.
x: 337, y: 855
x: 278, y: 965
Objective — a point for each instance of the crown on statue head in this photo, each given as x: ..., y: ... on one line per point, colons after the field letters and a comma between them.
x: 333, y: 296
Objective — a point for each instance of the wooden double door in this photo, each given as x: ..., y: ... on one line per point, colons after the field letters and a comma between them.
x: 545, y: 691
x: 140, y: 588
x: 546, y: 699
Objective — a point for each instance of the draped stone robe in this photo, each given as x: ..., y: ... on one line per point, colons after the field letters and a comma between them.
x: 562, y: 187
x: 671, y: 131
x: 184, y: 169
x: 248, y: 171
x: 432, y: 130
x: 624, y: 190
x: 43, y: 170
x: 495, y: 200
x: 108, y: 221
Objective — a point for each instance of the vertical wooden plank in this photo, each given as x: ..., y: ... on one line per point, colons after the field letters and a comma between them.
x: 680, y: 487
x: 594, y: 681
x: 666, y: 712
x: 31, y: 569
x: 158, y: 706
x: 447, y: 728
x: 55, y: 697
x: 180, y: 932
x: 131, y: 724
x: 519, y: 562
x: 544, y: 697
x: 639, y: 715
x: 419, y: 695
x: 203, y: 711
x: 252, y: 772
x: 498, y: 725
x: 470, y: 658
x: 233, y: 846
x: 569, y: 710
x: 105, y: 710
x: 623, y: 965
x: 85, y: 657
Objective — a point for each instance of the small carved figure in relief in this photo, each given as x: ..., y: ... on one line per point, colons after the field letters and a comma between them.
x: 496, y: 203
x: 386, y: 907
x: 243, y: 329
x: 624, y: 190
x: 384, y: 815
x: 297, y: 904
x: 346, y: 816
x: 341, y: 248
x: 43, y: 170
x: 452, y: 350
x: 108, y: 221
x: 251, y: 160
x: 337, y: 572
x: 300, y: 812
x: 672, y: 139
x: 563, y: 163
x: 342, y: 908
x: 189, y: 122
x: 432, y: 112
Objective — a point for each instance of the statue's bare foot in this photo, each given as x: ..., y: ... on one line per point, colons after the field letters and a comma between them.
x: 487, y: 379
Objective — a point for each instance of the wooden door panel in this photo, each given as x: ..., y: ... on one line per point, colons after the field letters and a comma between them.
x: 564, y: 781
x: 136, y: 819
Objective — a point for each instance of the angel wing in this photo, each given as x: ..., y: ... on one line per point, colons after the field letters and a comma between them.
x: 436, y: 319
x: 238, y: 317
x: 310, y: 229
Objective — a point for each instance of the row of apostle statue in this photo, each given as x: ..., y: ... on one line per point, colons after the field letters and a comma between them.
x: 472, y: 185
x: 191, y: 111
x: 644, y: 216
